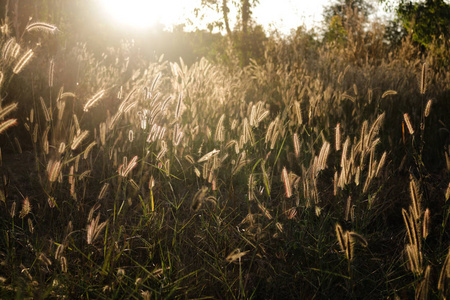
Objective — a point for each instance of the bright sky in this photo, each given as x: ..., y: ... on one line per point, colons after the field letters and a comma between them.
x: 282, y: 15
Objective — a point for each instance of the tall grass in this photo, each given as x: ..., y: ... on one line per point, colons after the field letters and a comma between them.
x: 286, y: 179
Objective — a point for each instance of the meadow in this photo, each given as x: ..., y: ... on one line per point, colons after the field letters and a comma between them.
x: 317, y: 173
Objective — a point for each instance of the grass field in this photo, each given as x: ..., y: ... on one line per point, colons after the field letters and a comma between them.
x: 317, y: 174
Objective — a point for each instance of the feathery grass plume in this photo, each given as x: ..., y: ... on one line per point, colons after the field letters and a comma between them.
x: 388, y: 93
x: 247, y: 132
x: 47, y: 115
x: 26, y: 208
x: 341, y: 237
x: 88, y: 149
x: 235, y: 255
x: 76, y: 124
x: 355, y: 237
x: 423, y: 79
x: 335, y: 183
x: 67, y: 95
x: 178, y: 109
x: 428, y: 108
x: 102, y: 130
x: 23, y: 61
x: 374, y: 129
x: 240, y: 162
x: 62, y: 147
x: 30, y: 226
x: 348, y: 208
x: 349, y: 246
x: 155, y: 82
x: 266, y: 177
x: 219, y: 136
x: 345, y: 151
x: 54, y: 168
x: 161, y: 153
x: 443, y: 283
x: 178, y: 135
x: 130, y: 106
x: 78, y: 139
x: 93, y: 229
x: 8, y: 123
x: 414, y: 258
x: 355, y: 89
x: 61, y: 105
x: 423, y: 288
x: 103, y: 191
x: 296, y: 145
x: 93, y: 100
x: 279, y: 226
x: 416, y: 198
x: 197, y: 201
x: 71, y: 177
x: 134, y: 185
x: 166, y: 103
x: 338, y: 137
x: 447, y: 192
x: 287, y: 183
x: 7, y: 109
x: 381, y: 164
x: 41, y: 26
x: 12, y: 211
x: 426, y: 223
x: 408, y: 123
x: 208, y: 155
x: 190, y: 159
x: 262, y: 114
x: 126, y: 170
x: 323, y: 156
x: 84, y: 174
x: 251, y: 187
x: 265, y: 211
x: 130, y: 135
x: 348, y: 97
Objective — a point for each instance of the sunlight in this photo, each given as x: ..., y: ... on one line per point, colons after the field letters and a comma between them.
x: 144, y: 13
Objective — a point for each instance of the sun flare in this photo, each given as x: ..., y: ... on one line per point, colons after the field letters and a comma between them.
x: 144, y: 13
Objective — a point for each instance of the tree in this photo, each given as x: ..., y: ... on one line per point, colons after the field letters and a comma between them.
x: 426, y: 21
x: 344, y: 17
x: 240, y: 37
